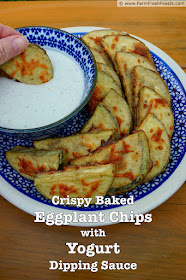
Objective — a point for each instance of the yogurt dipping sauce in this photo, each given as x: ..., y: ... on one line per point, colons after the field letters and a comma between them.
x: 25, y: 106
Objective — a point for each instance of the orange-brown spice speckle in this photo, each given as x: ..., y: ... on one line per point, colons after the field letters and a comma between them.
x: 159, y: 101
x: 99, y: 65
x: 53, y: 187
x: 157, y: 135
x: 95, y: 99
x: 159, y: 148
x: 115, y: 109
x: 129, y: 175
x: 76, y: 154
x: 113, y: 157
x: 84, y: 183
x: 27, y: 167
x: 157, y: 163
x: 64, y: 190
x: 119, y: 120
x: 97, y: 40
x: 27, y: 68
x: 91, y: 147
x: 126, y: 148
x: 52, y: 192
x: 94, y: 186
x: 112, y: 46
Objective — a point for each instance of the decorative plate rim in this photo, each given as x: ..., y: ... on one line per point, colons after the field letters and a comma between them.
x: 142, y: 205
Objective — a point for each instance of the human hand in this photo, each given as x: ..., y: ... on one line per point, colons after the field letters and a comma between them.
x: 12, y: 43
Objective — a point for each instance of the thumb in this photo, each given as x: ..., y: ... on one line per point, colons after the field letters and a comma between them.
x: 11, y: 46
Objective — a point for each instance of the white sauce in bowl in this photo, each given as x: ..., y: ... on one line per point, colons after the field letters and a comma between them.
x: 31, y: 106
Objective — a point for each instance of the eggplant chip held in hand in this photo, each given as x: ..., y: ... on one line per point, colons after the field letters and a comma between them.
x: 33, y: 66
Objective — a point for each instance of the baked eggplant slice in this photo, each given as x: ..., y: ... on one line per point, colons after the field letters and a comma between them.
x: 143, y: 77
x: 84, y: 181
x: 102, y: 120
x: 33, y: 66
x: 151, y: 102
x: 126, y: 62
x: 110, y: 71
x: 101, y: 57
x: 103, y: 85
x: 29, y: 161
x: 118, y: 43
x: 93, y: 38
x: 120, y: 109
x: 75, y: 145
x: 159, y: 145
x: 131, y: 158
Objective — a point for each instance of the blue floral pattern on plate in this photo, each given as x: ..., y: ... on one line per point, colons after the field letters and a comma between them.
x: 178, y: 142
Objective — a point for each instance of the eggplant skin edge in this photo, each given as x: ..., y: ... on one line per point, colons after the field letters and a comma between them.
x: 145, y: 165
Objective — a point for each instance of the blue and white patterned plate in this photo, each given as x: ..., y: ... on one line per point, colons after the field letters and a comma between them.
x: 22, y: 194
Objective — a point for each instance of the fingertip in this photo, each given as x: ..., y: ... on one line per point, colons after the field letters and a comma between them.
x: 20, y: 43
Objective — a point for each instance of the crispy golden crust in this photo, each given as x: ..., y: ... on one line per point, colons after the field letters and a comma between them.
x: 131, y: 158
x: 75, y: 145
x: 104, y: 83
x: 30, y: 161
x: 126, y: 63
x: 110, y: 71
x: 102, y: 120
x: 85, y: 182
x: 151, y: 102
x: 120, y: 109
x: 119, y: 43
x: 93, y: 39
x: 101, y: 57
x: 159, y: 144
x: 32, y: 66
x: 144, y: 77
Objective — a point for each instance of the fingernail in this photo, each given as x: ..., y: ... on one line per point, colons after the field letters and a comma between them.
x: 19, y: 44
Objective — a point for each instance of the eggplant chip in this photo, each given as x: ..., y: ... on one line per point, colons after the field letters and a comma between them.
x: 159, y: 145
x: 131, y: 158
x: 29, y: 161
x: 104, y: 83
x: 93, y: 39
x: 101, y: 57
x: 110, y: 71
x: 119, y: 43
x: 120, y: 109
x: 144, y: 77
x: 151, y: 102
x: 83, y: 181
x: 102, y: 120
x: 33, y: 66
x: 126, y: 62
x: 75, y: 145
